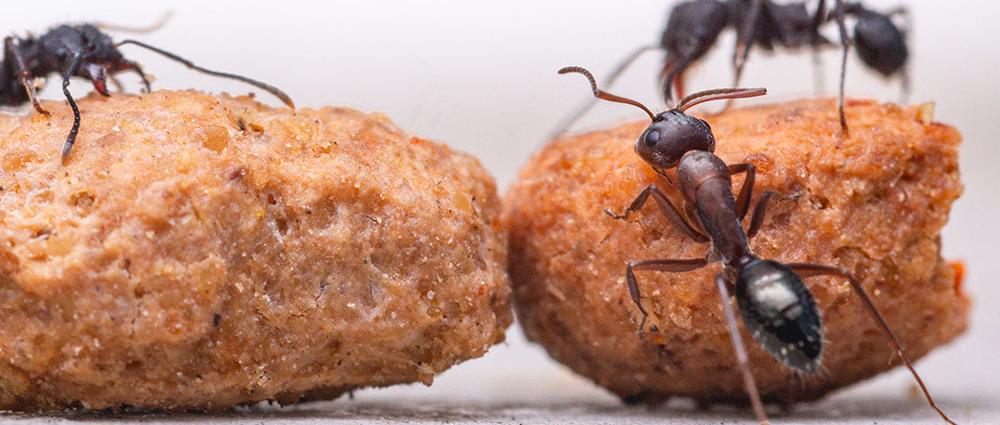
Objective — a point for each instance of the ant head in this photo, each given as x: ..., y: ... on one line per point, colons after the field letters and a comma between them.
x: 673, y: 133
x: 98, y: 47
x: 780, y: 313
x: 670, y: 136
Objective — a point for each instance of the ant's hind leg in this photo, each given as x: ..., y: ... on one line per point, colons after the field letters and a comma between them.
x: 805, y: 270
x: 11, y: 52
x: 744, y: 42
x: 666, y: 206
x: 672, y: 265
x: 741, y: 352
x: 845, y: 45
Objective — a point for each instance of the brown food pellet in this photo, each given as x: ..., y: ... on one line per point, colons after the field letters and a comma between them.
x: 199, y: 252
x: 873, y: 202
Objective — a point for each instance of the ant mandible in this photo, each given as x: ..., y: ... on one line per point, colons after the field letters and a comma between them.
x: 694, y: 26
x: 776, y: 307
x: 82, y: 51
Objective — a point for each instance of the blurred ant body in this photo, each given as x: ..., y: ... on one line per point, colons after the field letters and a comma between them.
x: 776, y: 307
x: 82, y: 51
x: 694, y: 26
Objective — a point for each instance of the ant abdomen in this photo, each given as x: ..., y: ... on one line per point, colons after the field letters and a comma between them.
x: 880, y: 44
x: 780, y: 313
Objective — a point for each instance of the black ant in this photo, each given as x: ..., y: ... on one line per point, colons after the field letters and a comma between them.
x: 694, y: 26
x: 777, y: 308
x: 82, y: 51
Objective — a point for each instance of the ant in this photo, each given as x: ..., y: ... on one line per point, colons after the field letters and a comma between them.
x: 82, y: 51
x: 776, y: 307
x: 694, y: 26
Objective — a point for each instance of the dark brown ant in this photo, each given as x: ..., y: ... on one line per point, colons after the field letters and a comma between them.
x: 82, y: 51
x: 777, y: 308
x: 694, y: 26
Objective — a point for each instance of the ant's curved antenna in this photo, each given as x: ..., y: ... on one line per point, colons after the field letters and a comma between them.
x: 104, y: 26
x: 718, y: 94
x: 261, y: 85
x: 600, y: 94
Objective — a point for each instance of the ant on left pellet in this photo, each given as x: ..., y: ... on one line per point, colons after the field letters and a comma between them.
x: 81, y: 51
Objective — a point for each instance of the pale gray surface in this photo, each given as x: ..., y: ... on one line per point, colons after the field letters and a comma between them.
x: 480, y: 75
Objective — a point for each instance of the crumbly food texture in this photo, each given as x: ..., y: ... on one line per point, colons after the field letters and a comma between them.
x: 873, y: 201
x: 199, y: 252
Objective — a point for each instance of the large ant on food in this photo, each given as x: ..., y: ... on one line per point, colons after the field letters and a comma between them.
x: 82, y: 51
x: 694, y: 26
x: 777, y: 308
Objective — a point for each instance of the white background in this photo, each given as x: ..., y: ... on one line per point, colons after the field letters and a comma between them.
x: 480, y: 76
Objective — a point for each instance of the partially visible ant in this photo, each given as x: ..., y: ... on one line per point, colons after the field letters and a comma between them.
x: 694, y: 26
x: 82, y: 51
x: 777, y: 308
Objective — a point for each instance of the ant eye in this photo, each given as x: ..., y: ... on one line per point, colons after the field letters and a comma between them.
x: 651, y: 138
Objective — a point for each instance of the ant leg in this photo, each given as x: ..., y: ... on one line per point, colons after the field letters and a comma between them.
x: 673, y: 265
x: 845, y: 45
x: 744, y: 42
x: 119, y: 88
x: 805, y: 270
x: 741, y: 352
x: 759, y: 212
x: 71, y: 138
x: 134, y: 67
x: 817, y: 41
x: 577, y: 113
x: 672, y: 79
x: 746, y: 191
x: 692, y: 217
x: 665, y: 205
x: 23, y: 74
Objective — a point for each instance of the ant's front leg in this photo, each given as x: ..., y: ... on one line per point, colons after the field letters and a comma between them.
x: 71, y: 137
x: 673, y: 265
x: 665, y: 205
x: 11, y: 52
x: 746, y: 191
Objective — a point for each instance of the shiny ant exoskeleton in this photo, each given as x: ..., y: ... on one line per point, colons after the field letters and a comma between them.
x: 82, y: 51
x: 777, y: 308
x: 694, y: 26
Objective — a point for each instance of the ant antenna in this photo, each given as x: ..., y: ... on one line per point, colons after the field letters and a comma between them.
x: 261, y: 85
x: 718, y: 94
x: 164, y: 18
x: 600, y: 94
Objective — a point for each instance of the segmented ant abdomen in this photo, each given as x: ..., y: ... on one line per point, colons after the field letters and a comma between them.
x: 693, y: 27
x: 670, y: 136
x: 880, y: 44
x: 780, y: 313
